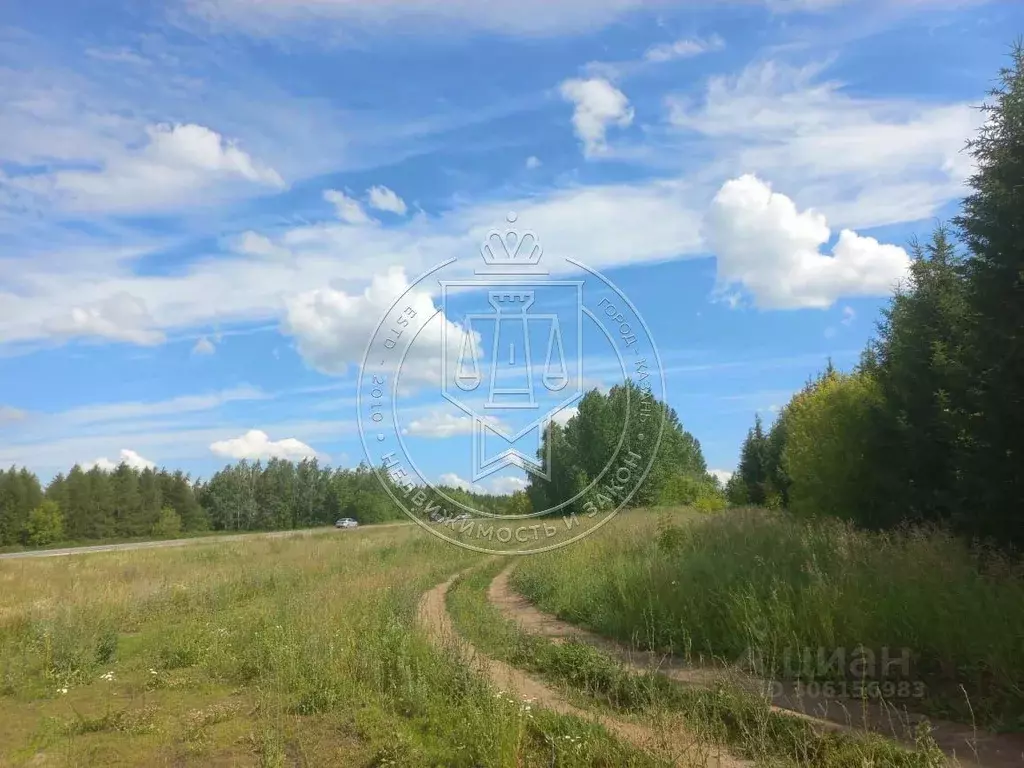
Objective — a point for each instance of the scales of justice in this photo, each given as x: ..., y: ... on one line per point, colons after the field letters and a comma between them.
x: 525, y: 368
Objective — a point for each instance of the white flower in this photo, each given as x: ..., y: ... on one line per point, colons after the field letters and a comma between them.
x: 109, y: 677
x: 62, y: 691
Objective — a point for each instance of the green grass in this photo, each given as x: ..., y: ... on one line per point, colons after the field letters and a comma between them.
x: 731, y: 717
x: 263, y: 652
x: 753, y: 580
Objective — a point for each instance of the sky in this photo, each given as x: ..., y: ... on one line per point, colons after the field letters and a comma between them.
x: 207, y: 206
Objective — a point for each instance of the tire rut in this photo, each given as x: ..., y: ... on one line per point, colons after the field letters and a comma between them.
x: 962, y: 744
x: 677, y: 747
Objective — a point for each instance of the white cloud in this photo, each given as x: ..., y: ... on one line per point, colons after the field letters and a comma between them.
x: 871, y: 162
x: 349, y: 209
x: 118, y: 56
x: 563, y: 416
x: 603, y: 225
x: 683, y: 49
x: 502, y: 485
x: 330, y: 18
x: 384, y: 199
x: 256, y: 444
x: 131, y: 458
x: 452, y: 480
x: 765, y: 244
x: 254, y: 244
x: 849, y: 315
x: 9, y: 414
x: 442, y: 424
x: 106, y: 413
x: 177, y: 162
x: 332, y: 328
x: 121, y: 317
x: 598, y: 105
x: 533, y: 162
x: 505, y: 486
x: 723, y: 475
x: 204, y: 347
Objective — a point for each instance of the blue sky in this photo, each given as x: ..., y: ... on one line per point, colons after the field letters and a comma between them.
x: 207, y: 205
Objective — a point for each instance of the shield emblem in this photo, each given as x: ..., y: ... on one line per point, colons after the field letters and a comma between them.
x: 511, y: 360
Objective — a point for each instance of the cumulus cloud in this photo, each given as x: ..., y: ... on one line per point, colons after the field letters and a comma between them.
x: 597, y: 105
x: 723, y: 475
x: 384, y: 199
x: 332, y: 328
x: 501, y: 485
x: 452, y: 480
x: 533, y: 162
x: 683, y: 49
x: 849, y: 315
x: 563, y: 416
x: 349, y: 209
x: 505, y: 486
x: 256, y: 444
x: 765, y: 244
x: 204, y: 347
x: 131, y: 458
x: 121, y: 317
x: 177, y: 162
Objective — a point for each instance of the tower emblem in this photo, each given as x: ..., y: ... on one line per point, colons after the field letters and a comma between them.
x: 515, y: 358
x: 468, y: 393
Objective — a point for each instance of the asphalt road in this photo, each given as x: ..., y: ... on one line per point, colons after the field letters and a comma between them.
x: 184, y: 542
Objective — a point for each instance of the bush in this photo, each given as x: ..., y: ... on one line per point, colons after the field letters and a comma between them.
x: 168, y: 524
x: 45, y: 525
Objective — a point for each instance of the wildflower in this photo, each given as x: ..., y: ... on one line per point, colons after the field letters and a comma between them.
x: 62, y: 691
x: 109, y: 677
x: 152, y: 672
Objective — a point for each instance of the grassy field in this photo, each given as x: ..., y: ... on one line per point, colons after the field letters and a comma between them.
x: 740, y: 721
x: 306, y: 651
x: 788, y: 595
x: 264, y: 652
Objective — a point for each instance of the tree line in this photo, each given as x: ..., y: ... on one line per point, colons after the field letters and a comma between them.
x: 928, y: 428
x: 127, y: 502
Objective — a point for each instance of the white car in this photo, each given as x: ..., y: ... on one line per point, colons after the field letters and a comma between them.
x: 346, y: 522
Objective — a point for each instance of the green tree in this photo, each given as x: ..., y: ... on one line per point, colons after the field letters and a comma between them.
x: 918, y: 362
x: 45, y: 525
x: 168, y: 524
x: 991, y: 223
x: 753, y: 470
x: 828, y: 439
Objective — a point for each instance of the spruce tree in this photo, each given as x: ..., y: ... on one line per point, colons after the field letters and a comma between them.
x: 991, y: 223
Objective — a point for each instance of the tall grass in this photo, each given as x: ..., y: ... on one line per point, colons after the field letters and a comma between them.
x: 264, y: 652
x: 754, y: 581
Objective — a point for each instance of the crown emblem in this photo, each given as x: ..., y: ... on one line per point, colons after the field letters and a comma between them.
x: 511, y: 248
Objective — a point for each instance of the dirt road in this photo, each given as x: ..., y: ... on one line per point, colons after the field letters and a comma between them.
x: 676, y: 745
x: 964, y: 745
x: 187, y: 542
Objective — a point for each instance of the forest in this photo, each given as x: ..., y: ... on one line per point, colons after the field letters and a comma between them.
x: 928, y: 429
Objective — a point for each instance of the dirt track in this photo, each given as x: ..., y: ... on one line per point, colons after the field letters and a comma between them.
x: 678, y: 747
x: 961, y: 743
x: 65, y: 551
